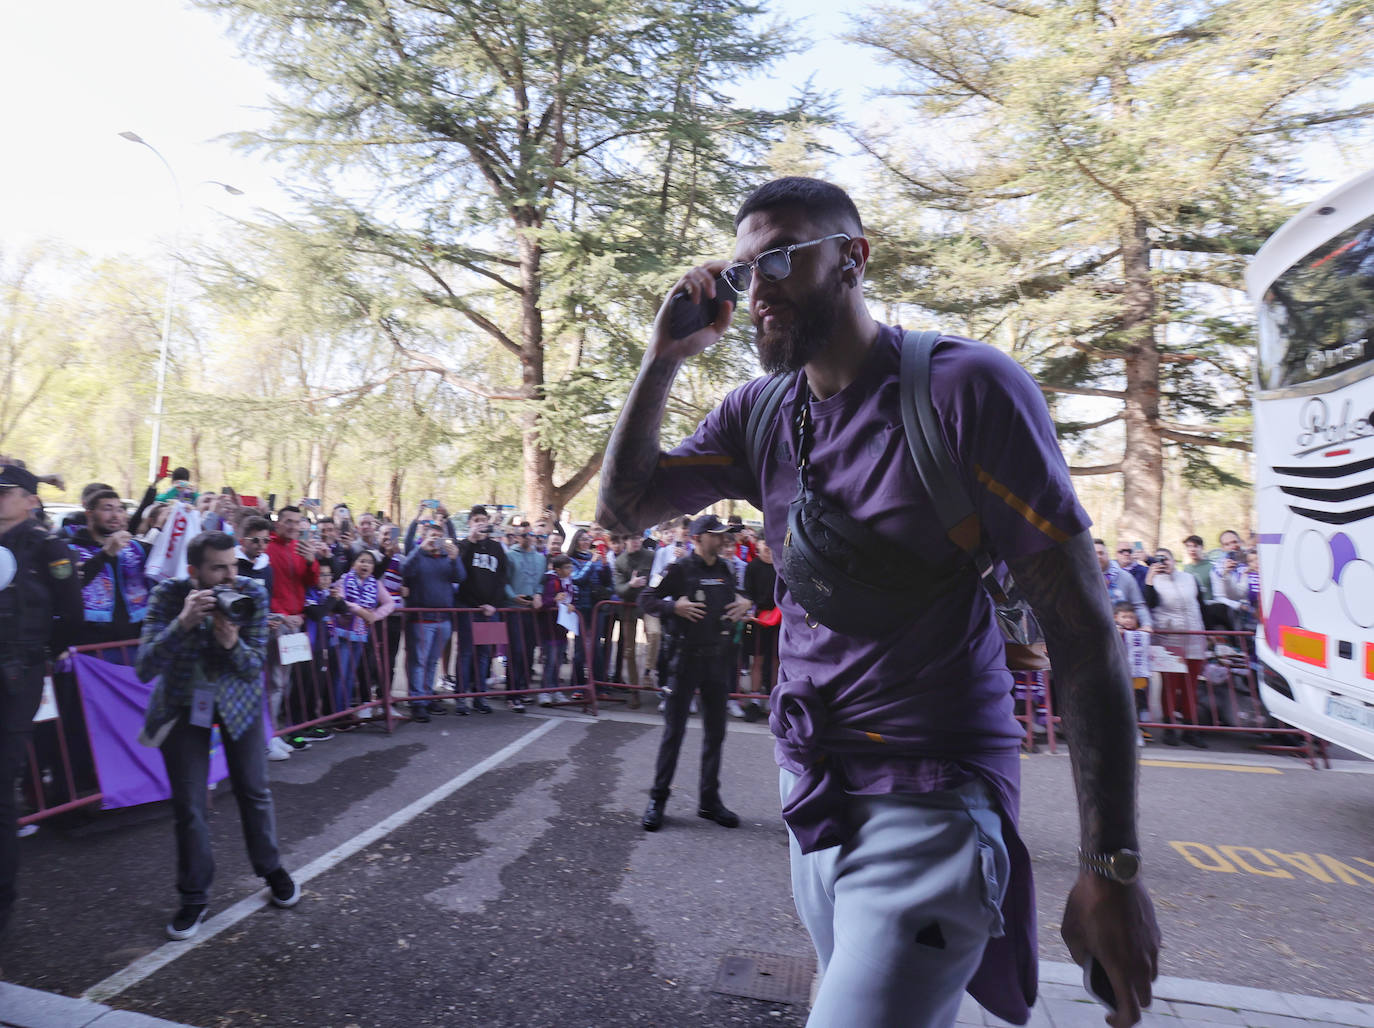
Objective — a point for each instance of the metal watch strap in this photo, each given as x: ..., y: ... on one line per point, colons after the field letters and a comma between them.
x: 1103, y: 864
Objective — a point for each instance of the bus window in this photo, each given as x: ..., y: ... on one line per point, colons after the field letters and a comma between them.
x: 1318, y: 316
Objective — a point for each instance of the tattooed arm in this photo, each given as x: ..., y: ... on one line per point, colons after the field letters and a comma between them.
x: 625, y: 503
x: 1113, y: 922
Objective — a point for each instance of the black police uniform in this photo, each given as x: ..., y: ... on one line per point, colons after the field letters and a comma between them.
x: 699, y: 659
x: 39, y: 612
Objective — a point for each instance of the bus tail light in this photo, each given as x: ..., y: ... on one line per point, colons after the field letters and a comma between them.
x: 1300, y: 644
x: 1369, y: 660
x: 1277, y: 682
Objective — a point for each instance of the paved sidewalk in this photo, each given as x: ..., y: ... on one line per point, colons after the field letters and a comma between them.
x: 1179, y: 1003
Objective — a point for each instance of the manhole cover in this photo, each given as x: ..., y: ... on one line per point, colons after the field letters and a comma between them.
x: 769, y: 976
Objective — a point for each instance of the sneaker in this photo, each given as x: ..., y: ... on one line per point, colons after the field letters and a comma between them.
x: 734, y: 709
x: 481, y: 706
x: 420, y: 714
x: 694, y: 705
x: 24, y: 831
x: 460, y: 707
x: 396, y: 711
x: 186, y: 921
x: 318, y: 734
x: 558, y: 697
x: 662, y: 706
x: 438, y: 709
x: 450, y: 684
x: 516, y: 705
x: 298, y: 742
x: 754, y: 712
x: 278, y: 750
x: 545, y: 700
x: 365, y: 714
x: 285, y: 892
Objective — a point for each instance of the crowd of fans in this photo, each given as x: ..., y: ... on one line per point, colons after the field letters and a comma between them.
x: 1178, y: 605
x: 381, y: 603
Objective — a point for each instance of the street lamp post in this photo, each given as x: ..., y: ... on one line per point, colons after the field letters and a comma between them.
x: 156, y: 445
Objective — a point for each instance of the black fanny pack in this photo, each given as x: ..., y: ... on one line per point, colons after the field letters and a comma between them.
x: 845, y: 575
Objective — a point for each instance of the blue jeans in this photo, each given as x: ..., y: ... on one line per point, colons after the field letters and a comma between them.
x: 520, y: 651
x: 425, y: 642
x: 350, y: 654
x: 186, y: 752
x: 474, y: 662
x: 932, y: 865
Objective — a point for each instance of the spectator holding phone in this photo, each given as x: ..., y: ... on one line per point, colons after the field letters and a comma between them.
x: 432, y: 573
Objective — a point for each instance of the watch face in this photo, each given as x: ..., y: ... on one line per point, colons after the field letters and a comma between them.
x: 1125, y: 865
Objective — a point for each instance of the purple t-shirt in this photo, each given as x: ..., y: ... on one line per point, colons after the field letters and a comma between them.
x: 912, y: 709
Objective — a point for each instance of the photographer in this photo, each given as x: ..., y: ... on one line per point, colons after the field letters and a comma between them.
x: 205, y: 640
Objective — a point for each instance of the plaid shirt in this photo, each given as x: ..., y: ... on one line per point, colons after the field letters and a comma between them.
x: 186, y: 659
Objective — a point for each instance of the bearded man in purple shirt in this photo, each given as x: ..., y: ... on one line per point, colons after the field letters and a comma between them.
x: 898, y: 753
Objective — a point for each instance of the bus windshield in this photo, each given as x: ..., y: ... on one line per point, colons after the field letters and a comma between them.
x: 1317, y: 317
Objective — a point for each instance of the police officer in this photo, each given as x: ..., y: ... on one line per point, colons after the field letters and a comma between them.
x: 698, y: 603
x: 40, y: 608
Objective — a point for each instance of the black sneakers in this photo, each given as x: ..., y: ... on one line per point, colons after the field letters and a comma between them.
x: 285, y: 892
x: 186, y: 921
x: 721, y: 815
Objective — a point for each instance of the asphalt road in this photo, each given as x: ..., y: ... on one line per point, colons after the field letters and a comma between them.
x: 529, y: 896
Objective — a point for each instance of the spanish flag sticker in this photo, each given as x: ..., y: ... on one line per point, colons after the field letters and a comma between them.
x: 60, y: 568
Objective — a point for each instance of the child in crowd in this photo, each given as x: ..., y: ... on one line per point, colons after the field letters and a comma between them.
x: 560, y: 597
x: 324, y: 608
x: 1147, y: 689
x: 367, y: 602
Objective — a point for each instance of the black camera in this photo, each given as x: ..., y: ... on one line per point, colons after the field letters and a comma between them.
x: 1152, y: 559
x: 236, y: 606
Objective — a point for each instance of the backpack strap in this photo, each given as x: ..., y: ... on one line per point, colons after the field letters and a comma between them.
x: 934, y: 464
x: 761, y: 416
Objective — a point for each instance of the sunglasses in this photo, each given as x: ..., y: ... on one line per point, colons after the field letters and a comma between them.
x: 773, y: 265
x: 1125, y: 549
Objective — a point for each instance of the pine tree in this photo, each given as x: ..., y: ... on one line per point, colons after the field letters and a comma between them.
x: 1094, y: 177
x: 541, y: 169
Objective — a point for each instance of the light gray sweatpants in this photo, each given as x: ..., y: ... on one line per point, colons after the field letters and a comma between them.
x: 899, y: 914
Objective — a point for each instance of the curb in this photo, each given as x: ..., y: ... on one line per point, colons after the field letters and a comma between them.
x: 33, y: 1008
x: 1234, y: 997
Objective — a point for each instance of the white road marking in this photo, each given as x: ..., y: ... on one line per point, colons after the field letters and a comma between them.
x: 226, y: 919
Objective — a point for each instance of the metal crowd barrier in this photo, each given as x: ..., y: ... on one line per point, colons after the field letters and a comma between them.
x: 609, y: 614
x: 1233, y: 706
x: 61, y: 773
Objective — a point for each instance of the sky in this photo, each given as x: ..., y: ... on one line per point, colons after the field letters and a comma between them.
x: 77, y: 73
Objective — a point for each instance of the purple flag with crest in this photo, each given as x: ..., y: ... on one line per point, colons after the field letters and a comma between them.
x: 114, y: 701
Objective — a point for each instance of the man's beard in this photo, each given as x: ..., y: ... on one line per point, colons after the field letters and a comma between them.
x: 801, y: 340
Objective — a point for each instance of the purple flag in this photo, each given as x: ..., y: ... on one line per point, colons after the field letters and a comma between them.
x: 114, y: 701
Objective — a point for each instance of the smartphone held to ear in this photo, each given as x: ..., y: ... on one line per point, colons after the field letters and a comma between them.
x: 686, y: 317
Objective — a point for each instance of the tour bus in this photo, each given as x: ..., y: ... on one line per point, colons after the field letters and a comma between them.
x: 1313, y: 287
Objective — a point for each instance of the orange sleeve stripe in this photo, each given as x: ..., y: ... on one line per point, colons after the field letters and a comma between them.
x: 1019, y: 505
x: 702, y: 460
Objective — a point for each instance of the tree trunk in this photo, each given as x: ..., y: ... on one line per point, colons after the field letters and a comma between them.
x: 1142, y: 463
x: 538, y: 481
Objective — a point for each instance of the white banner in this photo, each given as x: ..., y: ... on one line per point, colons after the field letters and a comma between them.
x: 294, y: 648
x: 1138, y: 653
x: 167, y: 559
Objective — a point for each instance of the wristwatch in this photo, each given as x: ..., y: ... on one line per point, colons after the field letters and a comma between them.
x: 1117, y: 865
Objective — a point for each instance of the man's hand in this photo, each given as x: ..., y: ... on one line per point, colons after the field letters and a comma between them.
x: 488, y: 609
x: 292, y: 622
x: 305, y: 550
x: 450, y: 549
x: 1116, y: 924
x: 689, y: 610
x: 699, y: 282
x: 226, y: 632
x: 638, y: 581
x: 537, y: 601
x: 115, y: 542
x: 199, y: 603
x: 737, y: 610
